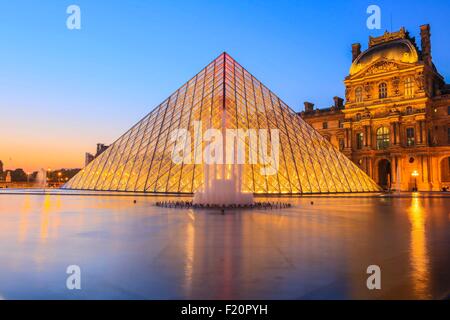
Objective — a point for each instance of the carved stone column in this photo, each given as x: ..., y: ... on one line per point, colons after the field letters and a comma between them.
x: 392, y: 134
x: 366, y: 136
x: 393, y: 172
x: 417, y: 131
x: 347, y: 137
x: 370, y: 172
x: 422, y: 136
x: 423, y: 133
x: 420, y: 129
x: 369, y: 136
x: 399, y: 175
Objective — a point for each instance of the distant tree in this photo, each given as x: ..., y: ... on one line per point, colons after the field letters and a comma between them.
x: 33, y: 176
x: 61, y: 175
x: 18, y: 175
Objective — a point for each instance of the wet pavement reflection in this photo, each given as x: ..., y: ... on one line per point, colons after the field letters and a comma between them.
x: 318, y: 249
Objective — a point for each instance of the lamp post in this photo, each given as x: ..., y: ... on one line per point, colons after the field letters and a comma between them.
x: 415, y: 174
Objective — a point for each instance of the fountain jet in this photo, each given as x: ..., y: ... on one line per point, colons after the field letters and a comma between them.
x: 41, y: 179
x: 222, y: 183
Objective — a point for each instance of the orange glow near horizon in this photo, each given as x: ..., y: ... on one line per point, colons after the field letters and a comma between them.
x: 33, y: 153
x: 41, y: 141
x: 31, y: 160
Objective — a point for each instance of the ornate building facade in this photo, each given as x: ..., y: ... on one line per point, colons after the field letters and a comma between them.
x: 395, y: 124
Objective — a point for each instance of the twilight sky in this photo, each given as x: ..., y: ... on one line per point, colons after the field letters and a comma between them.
x: 62, y: 91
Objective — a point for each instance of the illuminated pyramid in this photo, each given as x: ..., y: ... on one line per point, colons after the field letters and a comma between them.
x: 141, y: 159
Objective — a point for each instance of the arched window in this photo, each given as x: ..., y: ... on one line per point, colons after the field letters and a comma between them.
x: 382, y: 90
x: 341, y: 144
x: 382, y: 138
x: 359, y: 140
x: 409, y: 110
x: 409, y: 87
x: 359, y: 94
x: 410, y: 137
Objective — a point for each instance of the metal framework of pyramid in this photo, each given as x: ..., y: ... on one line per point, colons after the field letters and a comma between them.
x: 140, y: 160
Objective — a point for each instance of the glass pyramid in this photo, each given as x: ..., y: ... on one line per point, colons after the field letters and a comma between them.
x: 141, y: 159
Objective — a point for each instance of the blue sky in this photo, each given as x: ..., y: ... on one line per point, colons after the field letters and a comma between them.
x: 73, y: 88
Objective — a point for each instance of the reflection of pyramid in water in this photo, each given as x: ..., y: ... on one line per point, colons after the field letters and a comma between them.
x: 141, y: 159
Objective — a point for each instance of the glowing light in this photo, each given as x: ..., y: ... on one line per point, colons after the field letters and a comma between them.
x: 419, y: 254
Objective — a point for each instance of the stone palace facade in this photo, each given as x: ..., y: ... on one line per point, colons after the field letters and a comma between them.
x: 395, y: 123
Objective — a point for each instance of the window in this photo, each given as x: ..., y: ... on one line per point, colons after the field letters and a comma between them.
x: 409, y: 110
x: 382, y: 90
x: 359, y: 140
x: 324, y: 125
x: 342, y: 143
x: 382, y: 138
x: 341, y: 123
x: 448, y: 110
x: 358, y: 116
x: 409, y: 137
x: 409, y: 88
x: 359, y: 94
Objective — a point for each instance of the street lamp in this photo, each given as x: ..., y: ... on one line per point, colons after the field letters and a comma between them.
x: 415, y: 174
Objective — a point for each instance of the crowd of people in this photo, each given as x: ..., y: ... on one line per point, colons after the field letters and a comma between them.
x: 190, y: 204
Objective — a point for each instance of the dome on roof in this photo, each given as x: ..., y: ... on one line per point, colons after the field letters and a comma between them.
x: 400, y: 50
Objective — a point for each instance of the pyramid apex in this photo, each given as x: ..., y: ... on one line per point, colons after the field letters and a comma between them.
x: 226, y: 54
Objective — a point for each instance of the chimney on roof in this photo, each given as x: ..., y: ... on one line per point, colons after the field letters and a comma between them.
x: 356, y: 51
x: 309, y: 107
x: 425, y: 37
x: 338, y: 102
